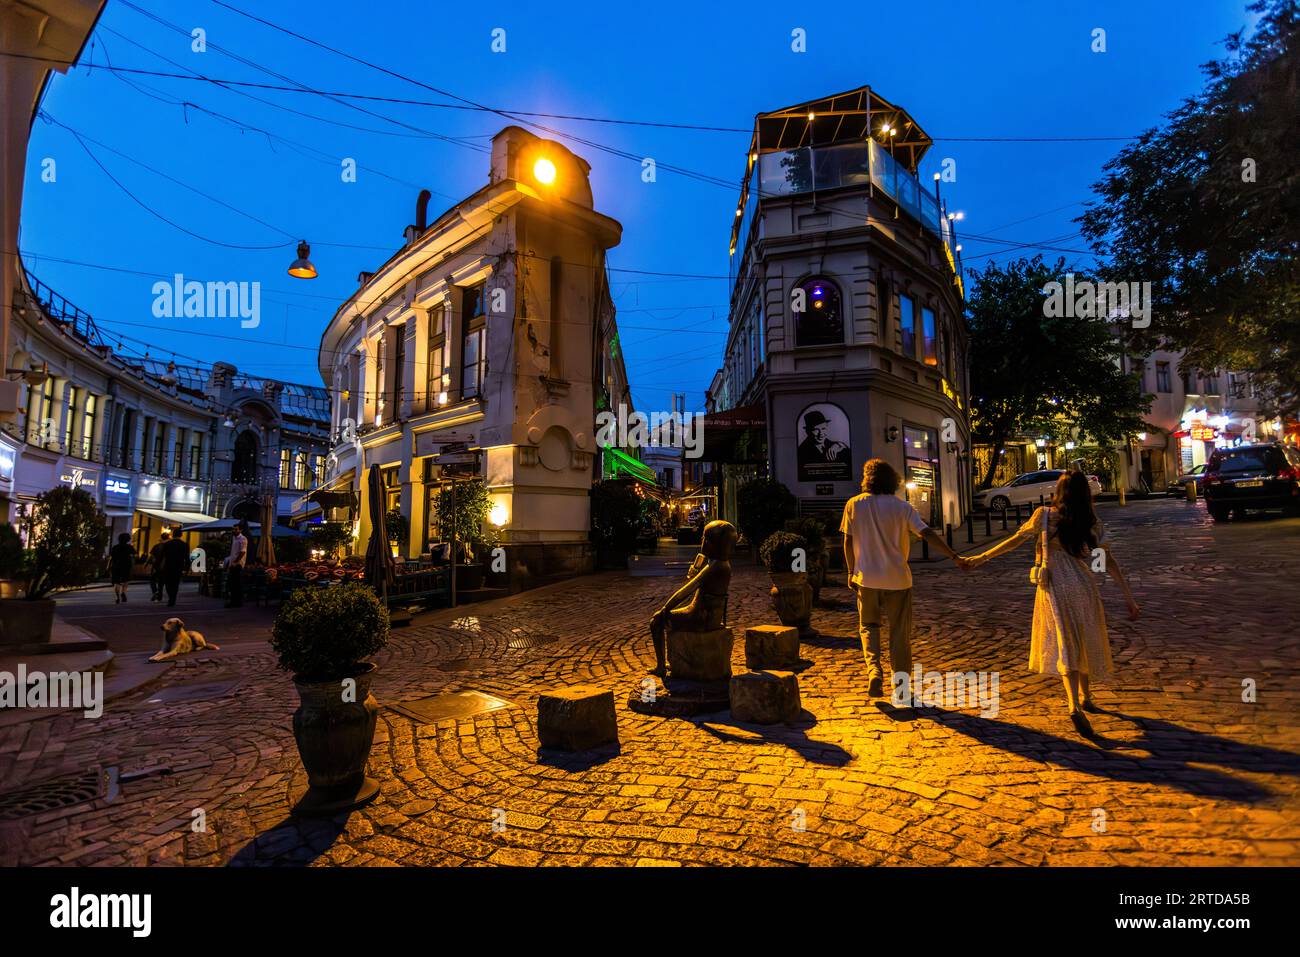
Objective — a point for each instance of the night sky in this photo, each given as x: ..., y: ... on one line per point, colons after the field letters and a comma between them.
x: 1006, y: 69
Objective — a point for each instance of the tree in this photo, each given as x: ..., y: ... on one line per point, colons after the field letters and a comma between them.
x: 762, y: 507
x: 470, y: 517
x: 68, y: 541
x: 615, y: 516
x: 1031, y: 371
x: 1208, y: 210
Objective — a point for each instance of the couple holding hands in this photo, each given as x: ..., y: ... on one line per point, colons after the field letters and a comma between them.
x: 1069, y: 622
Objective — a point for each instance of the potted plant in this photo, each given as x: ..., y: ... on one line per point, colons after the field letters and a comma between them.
x: 67, y: 543
x: 813, y: 531
x: 474, y: 534
x: 785, y: 556
x: 324, y: 637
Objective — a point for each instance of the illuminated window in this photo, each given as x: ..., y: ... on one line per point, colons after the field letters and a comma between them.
x: 907, y: 324
x: 437, y: 359
x: 820, y: 323
x: 473, y: 358
x: 930, y: 336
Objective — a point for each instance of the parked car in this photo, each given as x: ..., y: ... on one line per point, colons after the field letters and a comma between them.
x: 1179, y: 485
x: 1262, y: 476
x: 1026, y: 489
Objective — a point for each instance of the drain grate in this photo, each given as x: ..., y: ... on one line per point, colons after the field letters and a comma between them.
x: 520, y: 640
x: 51, y: 795
x: 457, y: 704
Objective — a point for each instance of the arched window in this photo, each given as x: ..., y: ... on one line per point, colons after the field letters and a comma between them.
x: 820, y: 323
x: 244, y: 468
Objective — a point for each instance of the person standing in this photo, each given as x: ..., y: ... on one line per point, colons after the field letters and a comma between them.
x: 156, y: 568
x: 175, y: 559
x: 878, y: 527
x: 1069, y: 625
x: 235, y: 566
x: 121, y: 563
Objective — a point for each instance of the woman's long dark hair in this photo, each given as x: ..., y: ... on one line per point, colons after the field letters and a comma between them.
x: 1072, y: 502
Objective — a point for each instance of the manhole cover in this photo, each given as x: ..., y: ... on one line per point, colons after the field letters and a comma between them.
x: 465, y: 664
x: 181, y: 694
x: 51, y: 795
x: 457, y: 704
x: 520, y: 639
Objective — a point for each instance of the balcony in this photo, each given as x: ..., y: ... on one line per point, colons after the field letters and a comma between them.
x: 818, y: 169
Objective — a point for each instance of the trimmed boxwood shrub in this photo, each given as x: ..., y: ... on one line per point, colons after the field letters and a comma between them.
x: 323, y: 633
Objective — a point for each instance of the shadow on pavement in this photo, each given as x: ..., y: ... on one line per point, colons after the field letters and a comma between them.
x: 294, y: 842
x: 1173, y: 752
x: 793, y: 736
x: 578, y: 760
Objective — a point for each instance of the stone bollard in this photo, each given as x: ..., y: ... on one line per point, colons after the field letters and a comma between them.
x: 577, y: 718
x: 1190, y: 488
x: 700, y: 655
x: 765, y: 697
x: 771, y: 646
x: 1123, y: 494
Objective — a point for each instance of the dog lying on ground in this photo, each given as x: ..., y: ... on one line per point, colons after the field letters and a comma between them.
x: 177, y: 641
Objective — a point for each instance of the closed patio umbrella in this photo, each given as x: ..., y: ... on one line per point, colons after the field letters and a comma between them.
x: 379, y: 556
x: 266, y: 544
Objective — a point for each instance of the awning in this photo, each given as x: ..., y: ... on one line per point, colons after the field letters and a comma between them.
x: 328, y: 499
x: 178, y: 518
x: 737, y: 436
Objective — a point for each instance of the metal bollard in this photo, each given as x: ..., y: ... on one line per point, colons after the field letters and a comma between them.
x: 1017, y: 513
x: 925, y: 549
x: 970, y: 528
x: 947, y: 533
x: 1190, y: 487
x: 988, y: 523
x: 1004, y: 518
x: 1123, y: 495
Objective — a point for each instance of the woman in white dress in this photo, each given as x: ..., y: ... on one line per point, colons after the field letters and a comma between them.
x: 1069, y: 627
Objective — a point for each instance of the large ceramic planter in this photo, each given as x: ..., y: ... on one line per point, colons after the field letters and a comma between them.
x: 24, y: 622
x: 469, y: 577
x: 792, y: 597
x: 334, y: 729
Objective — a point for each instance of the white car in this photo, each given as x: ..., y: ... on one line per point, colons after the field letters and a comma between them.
x: 1026, y: 489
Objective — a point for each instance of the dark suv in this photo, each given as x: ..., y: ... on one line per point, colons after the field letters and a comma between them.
x: 1252, y: 476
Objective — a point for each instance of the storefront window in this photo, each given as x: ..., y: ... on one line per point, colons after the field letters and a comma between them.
x: 921, y: 468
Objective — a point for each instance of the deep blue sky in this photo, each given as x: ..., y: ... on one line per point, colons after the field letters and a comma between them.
x: 962, y: 69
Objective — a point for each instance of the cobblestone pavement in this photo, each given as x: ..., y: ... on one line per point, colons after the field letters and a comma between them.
x: 1192, y: 774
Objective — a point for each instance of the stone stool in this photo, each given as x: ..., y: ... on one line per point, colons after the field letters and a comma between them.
x: 700, y: 655
x: 577, y: 718
x: 771, y: 646
x: 765, y: 697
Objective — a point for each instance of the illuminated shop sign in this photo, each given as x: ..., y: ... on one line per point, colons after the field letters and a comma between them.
x: 116, y: 485
x: 79, y: 478
x: 1203, y: 433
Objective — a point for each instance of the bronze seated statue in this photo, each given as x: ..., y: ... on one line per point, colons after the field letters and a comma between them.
x: 706, y: 585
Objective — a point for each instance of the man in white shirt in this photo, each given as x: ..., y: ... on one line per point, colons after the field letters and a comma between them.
x: 878, y: 527
x: 235, y: 567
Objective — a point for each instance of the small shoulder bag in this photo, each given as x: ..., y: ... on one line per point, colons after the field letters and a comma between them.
x: 1041, y: 573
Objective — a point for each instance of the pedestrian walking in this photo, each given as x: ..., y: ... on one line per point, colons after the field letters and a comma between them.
x: 121, y: 564
x: 235, y: 566
x: 175, y: 560
x: 156, y: 568
x: 878, y: 527
x: 1069, y: 625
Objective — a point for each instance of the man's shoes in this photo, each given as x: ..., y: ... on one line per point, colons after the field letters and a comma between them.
x: 876, y: 688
